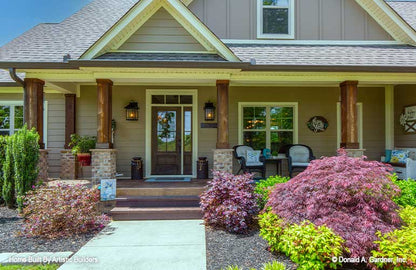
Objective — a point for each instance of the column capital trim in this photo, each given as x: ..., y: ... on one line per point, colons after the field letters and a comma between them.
x: 222, y: 82
x: 34, y: 80
x: 347, y: 83
x: 104, y: 81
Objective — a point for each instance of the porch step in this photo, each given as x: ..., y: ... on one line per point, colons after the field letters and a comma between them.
x: 155, y: 213
x: 159, y: 191
x: 158, y: 201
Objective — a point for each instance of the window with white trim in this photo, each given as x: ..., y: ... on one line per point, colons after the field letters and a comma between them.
x: 11, y: 117
x: 268, y: 126
x: 275, y: 19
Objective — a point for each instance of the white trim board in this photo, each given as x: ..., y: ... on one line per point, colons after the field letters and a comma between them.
x: 311, y: 42
x: 148, y: 126
x: 359, y: 124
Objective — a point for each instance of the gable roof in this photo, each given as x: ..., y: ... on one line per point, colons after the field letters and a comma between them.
x: 140, y: 13
x: 406, y: 10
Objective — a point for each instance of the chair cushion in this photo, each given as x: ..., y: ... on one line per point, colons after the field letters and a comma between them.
x: 300, y: 164
x: 252, y: 157
x: 399, y: 156
x: 254, y: 164
x: 241, y: 151
x: 299, y: 154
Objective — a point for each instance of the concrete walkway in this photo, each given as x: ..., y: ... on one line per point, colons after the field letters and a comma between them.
x: 144, y: 245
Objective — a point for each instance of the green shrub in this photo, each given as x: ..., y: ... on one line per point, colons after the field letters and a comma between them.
x: 271, y: 229
x: 399, y: 244
x: 408, y: 215
x: 26, y: 157
x: 310, y: 246
x: 408, y: 194
x: 3, y: 146
x: 82, y: 144
x: 274, y: 266
x: 264, y: 187
x: 8, y: 175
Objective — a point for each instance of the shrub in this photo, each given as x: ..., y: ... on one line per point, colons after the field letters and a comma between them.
x: 25, y: 157
x: 408, y: 192
x: 310, y: 246
x: 351, y: 196
x: 271, y: 229
x: 3, y: 146
x: 399, y: 244
x: 264, y: 187
x: 230, y: 202
x: 8, y: 175
x: 62, y: 211
x: 274, y: 266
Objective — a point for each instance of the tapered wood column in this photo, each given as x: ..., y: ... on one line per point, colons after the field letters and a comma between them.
x: 70, y: 117
x: 349, y: 119
x: 222, y: 107
x: 104, y: 102
x: 33, y: 106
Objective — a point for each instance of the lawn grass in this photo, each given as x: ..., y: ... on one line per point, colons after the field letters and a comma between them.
x: 30, y: 267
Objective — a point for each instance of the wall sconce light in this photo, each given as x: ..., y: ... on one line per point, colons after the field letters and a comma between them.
x: 209, y: 111
x: 132, y: 111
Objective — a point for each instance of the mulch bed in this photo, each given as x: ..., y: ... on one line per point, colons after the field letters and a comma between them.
x: 11, y: 223
x: 246, y: 251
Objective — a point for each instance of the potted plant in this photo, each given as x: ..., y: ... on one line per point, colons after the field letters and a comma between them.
x: 81, y: 146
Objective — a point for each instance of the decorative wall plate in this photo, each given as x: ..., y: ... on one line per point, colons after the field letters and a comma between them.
x: 317, y: 124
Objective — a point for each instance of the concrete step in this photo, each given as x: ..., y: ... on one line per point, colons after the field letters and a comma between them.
x: 159, y: 191
x: 156, y: 213
x: 158, y: 201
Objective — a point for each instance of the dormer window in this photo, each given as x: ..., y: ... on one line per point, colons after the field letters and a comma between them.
x: 275, y: 19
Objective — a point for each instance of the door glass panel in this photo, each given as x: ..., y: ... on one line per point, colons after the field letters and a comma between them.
x: 166, y: 131
x: 4, y: 117
x: 172, y: 99
x: 187, y: 131
x: 186, y: 99
x: 158, y: 99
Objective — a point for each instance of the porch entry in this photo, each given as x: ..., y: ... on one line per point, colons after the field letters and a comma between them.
x: 171, y: 133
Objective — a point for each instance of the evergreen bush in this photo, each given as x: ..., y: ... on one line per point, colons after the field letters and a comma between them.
x: 3, y: 146
x: 8, y: 175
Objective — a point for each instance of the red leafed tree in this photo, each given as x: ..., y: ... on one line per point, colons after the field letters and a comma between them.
x: 352, y: 196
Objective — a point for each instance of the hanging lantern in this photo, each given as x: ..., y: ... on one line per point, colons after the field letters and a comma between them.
x: 209, y: 111
x: 132, y: 111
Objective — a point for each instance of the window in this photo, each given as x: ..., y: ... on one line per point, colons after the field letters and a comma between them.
x: 275, y: 19
x: 268, y: 125
x: 11, y: 117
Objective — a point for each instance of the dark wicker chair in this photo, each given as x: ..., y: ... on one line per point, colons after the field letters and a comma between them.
x: 299, y: 156
x: 240, y: 153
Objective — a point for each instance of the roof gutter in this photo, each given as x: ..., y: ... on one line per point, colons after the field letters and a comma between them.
x: 17, y: 79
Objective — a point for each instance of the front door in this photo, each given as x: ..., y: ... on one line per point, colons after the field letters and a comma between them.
x: 166, y: 140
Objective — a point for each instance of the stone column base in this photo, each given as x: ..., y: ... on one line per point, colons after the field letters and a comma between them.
x: 103, y: 162
x: 223, y: 160
x: 43, y: 165
x: 357, y: 153
x: 68, y: 165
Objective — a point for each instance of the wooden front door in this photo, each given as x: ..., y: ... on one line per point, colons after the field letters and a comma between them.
x: 166, y: 141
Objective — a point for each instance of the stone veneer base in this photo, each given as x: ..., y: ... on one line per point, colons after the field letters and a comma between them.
x: 43, y: 165
x: 223, y: 160
x: 68, y: 165
x: 103, y: 162
x: 355, y: 152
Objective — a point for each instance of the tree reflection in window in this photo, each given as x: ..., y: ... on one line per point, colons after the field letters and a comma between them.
x: 166, y: 131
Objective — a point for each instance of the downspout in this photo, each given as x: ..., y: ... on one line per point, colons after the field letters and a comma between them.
x: 16, y: 78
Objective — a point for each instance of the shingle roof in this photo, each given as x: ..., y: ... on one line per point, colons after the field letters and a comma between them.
x: 186, y: 57
x: 74, y: 35
x: 406, y: 9
x: 327, y: 55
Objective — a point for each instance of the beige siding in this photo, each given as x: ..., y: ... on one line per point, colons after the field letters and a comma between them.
x: 56, y: 128
x: 162, y: 33
x: 314, y: 19
x: 404, y: 95
x: 130, y: 136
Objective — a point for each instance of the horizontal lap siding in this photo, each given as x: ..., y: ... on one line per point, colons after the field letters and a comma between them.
x: 404, y: 95
x: 162, y: 33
